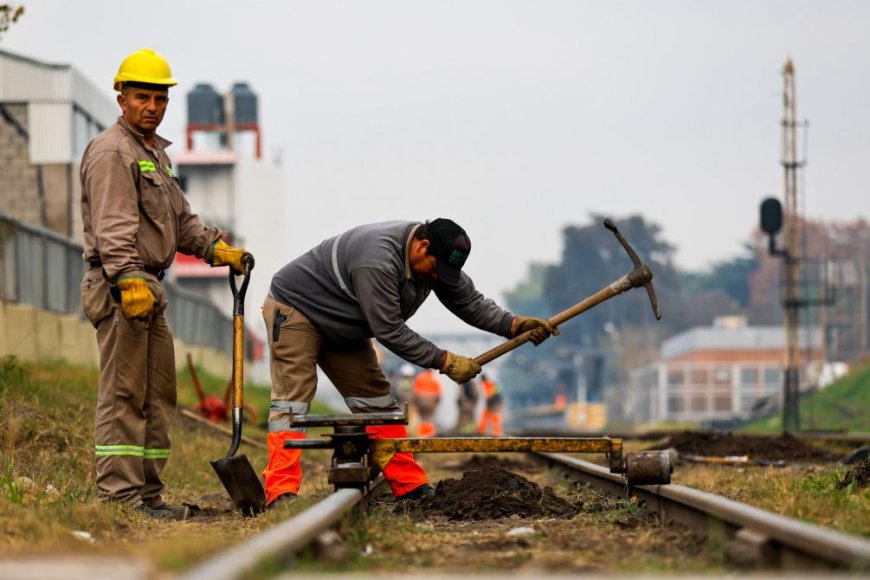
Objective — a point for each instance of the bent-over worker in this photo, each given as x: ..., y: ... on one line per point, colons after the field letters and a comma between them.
x: 325, y: 307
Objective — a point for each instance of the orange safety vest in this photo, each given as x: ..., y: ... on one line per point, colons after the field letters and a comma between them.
x: 427, y: 384
x: 489, y: 388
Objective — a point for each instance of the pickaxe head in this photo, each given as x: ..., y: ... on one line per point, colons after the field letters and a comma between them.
x: 641, y: 275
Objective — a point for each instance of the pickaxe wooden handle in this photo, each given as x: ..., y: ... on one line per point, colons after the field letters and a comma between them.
x: 639, y: 276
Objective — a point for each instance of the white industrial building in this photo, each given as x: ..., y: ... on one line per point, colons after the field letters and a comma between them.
x: 721, y: 373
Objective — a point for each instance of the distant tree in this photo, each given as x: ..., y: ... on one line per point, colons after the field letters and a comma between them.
x: 592, y: 259
x: 528, y: 296
x: 722, y: 290
x: 9, y: 14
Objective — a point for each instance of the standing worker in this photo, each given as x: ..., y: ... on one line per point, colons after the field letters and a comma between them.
x: 427, y: 395
x: 135, y: 218
x: 466, y: 402
x: 492, y: 410
x: 325, y: 307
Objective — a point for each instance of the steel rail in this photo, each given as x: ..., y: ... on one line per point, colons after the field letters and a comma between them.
x: 767, y: 539
x: 289, y: 536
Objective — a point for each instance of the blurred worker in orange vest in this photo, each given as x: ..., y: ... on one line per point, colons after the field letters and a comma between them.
x: 466, y: 402
x: 491, y: 415
x: 427, y: 395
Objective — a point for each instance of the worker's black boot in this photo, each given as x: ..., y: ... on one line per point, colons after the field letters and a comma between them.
x: 282, y: 500
x: 164, y: 512
x: 418, y: 493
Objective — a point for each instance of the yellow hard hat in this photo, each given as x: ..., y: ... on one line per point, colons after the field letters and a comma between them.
x: 144, y: 66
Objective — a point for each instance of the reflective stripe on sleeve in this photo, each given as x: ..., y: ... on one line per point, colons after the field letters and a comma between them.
x: 336, y: 270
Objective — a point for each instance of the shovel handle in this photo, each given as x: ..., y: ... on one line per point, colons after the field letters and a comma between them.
x: 239, y: 292
x: 239, y: 350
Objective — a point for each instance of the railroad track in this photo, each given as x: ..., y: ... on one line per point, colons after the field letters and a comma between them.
x: 753, y: 537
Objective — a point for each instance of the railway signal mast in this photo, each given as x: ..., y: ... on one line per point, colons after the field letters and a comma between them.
x: 771, y: 223
x: 791, y: 303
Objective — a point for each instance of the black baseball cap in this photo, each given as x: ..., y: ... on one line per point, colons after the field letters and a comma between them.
x: 450, y: 245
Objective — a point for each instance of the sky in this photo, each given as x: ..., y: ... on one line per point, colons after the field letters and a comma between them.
x: 514, y: 118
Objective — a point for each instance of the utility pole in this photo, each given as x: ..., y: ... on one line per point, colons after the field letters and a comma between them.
x: 791, y: 299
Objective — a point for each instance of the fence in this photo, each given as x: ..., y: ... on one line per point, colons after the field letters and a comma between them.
x: 45, y: 270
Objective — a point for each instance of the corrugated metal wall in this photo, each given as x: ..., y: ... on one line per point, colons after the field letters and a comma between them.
x: 50, y: 128
x: 22, y: 80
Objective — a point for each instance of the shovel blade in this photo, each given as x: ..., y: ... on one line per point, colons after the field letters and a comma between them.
x: 242, y: 483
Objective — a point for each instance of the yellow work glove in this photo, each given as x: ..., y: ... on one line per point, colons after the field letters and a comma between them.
x: 540, y: 327
x: 137, y: 300
x: 459, y: 368
x: 226, y: 255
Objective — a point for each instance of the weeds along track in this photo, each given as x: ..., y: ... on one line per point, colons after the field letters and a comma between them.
x: 752, y: 537
x: 536, y: 513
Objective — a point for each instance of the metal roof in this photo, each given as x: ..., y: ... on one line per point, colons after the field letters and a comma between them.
x: 27, y: 80
x: 746, y: 338
x: 63, y: 107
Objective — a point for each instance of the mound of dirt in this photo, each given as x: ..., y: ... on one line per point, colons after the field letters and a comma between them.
x: 492, y: 494
x: 860, y: 474
x: 779, y: 448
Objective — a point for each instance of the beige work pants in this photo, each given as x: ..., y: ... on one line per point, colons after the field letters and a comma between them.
x: 297, y: 348
x: 137, y: 395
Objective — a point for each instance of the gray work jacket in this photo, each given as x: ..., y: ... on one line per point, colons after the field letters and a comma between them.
x: 359, y: 285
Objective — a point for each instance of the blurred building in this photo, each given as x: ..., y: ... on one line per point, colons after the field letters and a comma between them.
x: 722, y: 373
x: 48, y: 115
x: 228, y: 184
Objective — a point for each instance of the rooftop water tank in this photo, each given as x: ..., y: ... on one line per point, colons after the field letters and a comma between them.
x: 205, y: 106
x: 244, y: 104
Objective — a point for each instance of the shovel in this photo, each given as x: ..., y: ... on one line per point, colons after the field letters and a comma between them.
x: 236, y: 472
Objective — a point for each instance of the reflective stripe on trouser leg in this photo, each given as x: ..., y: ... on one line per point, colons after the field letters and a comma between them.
x: 284, y: 472
x: 403, y: 473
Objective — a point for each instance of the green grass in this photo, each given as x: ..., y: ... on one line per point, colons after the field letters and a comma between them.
x: 842, y: 406
x: 47, y: 469
x: 807, y: 493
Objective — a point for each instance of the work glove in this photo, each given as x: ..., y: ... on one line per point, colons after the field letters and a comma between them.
x: 137, y: 300
x: 459, y: 368
x: 540, y: 327
x: 226, y: 255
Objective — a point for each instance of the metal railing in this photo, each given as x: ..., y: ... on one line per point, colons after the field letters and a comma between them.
x: 43, y: 269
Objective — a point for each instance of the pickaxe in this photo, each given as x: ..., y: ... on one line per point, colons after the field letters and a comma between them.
x: 639, y: 276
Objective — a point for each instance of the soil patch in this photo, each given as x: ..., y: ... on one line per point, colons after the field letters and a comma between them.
x: 780, y: 448
x: 860, y: 475
x: 492, y: 494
